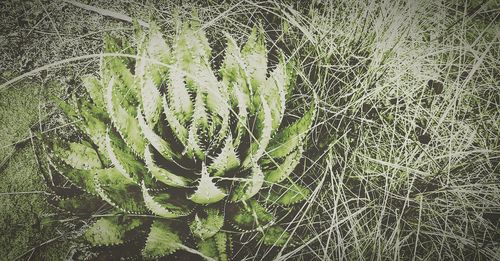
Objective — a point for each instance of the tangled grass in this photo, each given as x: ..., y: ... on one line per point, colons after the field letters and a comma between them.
x: 406, y: 156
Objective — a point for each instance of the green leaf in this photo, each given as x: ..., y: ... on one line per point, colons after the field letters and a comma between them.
x: 199, y: 125
x: 251, y: 186
x: 179, y: 131
x: 242, y: 127
x: 94, y: 124
x: 206, y: 192
x: 121, y: 106
x: 151, y: 101
x: 207, y: 227
x: 164, y: 205
x: 163, y: 175
x: 123, y: 159
x: 274, y: 88
x: 162, y: 240
x: 283, y: 170
x: 275, y: 236
x: 226, y: 160
x: 216, y: 98
x: 69, y: 108
x: 254, y: 55
x: 251, y: 215
x: 191, y: 46
x: 216, y: 247
x: 95, y: 90
x: 120, y: 191
x: 162, y: 146
x: 112, y: 230
x: 179, y: 96
x: 83, y: 179
x: 85, y: 204
x: 234, y: 75
x: 150, y: 70
x: 288, y: 193
x: 79, y: 155
x: 77, y: 162
x: 290, y: 138
x: 263, y: 134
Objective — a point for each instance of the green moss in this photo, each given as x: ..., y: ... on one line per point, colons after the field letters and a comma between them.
x: 23, y: 204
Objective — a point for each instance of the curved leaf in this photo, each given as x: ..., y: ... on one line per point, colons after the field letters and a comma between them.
x: 122, y: 159
x: 121, y: 107
x: 177, y: 128
x: 179, y: 96
x: 254, y: 55
x: 150, y: 70
x: 251, y: 215
x: 274, y: 87
x: 162, y: 240
x: 163, y: 175
x: 263, y: 134
x: 162, y: 146
x: 199, y: 126
x: 79, y: 155
x: 206, y: 192
x: 119, y: 191
x: 83, y: 179
x: 288, y: 139
x: 112, y: 230
x: 288, y: 193
x: 164, y: 205
x: 226, y: 160
x: 234, y: 75
x: 207, y: 227
x: 191, y: 46
x: 251, y: 186
x: 216, y: 247
x: 281, y: 171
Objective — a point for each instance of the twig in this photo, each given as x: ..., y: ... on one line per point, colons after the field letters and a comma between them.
x: 105, y: 12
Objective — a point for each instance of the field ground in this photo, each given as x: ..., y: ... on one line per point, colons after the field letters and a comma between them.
x: 405, y: 158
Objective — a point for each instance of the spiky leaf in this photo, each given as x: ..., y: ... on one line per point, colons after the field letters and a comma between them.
x: 162, y: 240
x: 119, y: 191
x: 164, y: 205
x: 112, y: 230
x: 206, y: 227
x: 206, y: 191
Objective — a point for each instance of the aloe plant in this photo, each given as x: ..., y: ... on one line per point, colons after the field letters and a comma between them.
x: 174, y: 156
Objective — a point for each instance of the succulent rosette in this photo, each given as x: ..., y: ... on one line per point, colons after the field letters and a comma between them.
x: 171, y: 155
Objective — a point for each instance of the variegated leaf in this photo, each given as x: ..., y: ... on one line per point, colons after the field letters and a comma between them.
x: 206, y: 191
x: 206, y: 227
x: 112, y: 230
x: 179, y: 131
x: 162, y: 174
x: 289, y: 138
x: 263, y: 128
x: 121, y: 106
x: 123, y: 159
x: 164, y: 205
x: 250, y: 186
x: 162, y: 240
x: 161, y: 145
x: 217, y: 247
x: 251, y: 215
x: 287, y: 193
x: 280, y: 171
x: 226, y: 160
x: 120, y: 191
